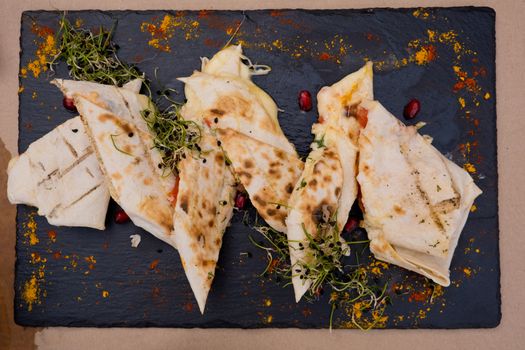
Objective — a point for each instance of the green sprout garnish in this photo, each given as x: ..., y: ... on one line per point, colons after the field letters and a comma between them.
x: 324, y: 267
x: 116, y: 147
x: 174, y: 136
x: 320, y: 142
x: 92, y: 57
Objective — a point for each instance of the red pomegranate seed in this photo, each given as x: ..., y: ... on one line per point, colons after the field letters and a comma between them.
x: 305, y: 100
x: 121, y: 217
x: 240, y: 201
x: 351, y: 224
x: 412, y: 109
x: 69, y: 104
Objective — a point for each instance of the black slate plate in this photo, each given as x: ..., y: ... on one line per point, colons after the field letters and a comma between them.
x: 84, y: 277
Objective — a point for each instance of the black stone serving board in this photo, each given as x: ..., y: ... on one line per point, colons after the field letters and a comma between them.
x: 146, y: 286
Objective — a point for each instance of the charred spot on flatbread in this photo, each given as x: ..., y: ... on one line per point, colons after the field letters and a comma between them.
x: 219, y: 157
x: 234, y: 104
x: 248, y: 163
x: 217, y: 111
x: 183, y: 200
x: 126, y: 127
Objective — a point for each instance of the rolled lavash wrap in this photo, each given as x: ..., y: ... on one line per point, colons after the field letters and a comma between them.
x: 416, y: 201
x: 327, y: 188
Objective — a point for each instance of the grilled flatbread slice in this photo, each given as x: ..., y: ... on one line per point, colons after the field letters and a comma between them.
x: 124, y: 147
x: 267, y: 173
x: 416, y: 201
x: 203, y: 210
x: 327, y: 188
x: 242, y: 114
x: 201, y: 217
x: 59, y: 174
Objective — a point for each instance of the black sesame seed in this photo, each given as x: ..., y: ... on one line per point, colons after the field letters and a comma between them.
x: 204, y: 160
x: 219, y: 143
x: 75, y: 130
x: 130, y: 134
x: 159, y: 165
x: 278, y: 206
x: 216, y: 120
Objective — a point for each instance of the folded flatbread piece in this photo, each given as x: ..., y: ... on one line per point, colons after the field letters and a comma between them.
x: 416, y: 201
x: 124, y: 146
x: 244, y: 116
x: 203, y: 210
x: 327, y: 187
x: 59, y: 174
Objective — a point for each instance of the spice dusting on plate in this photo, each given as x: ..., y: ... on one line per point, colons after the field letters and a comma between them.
x: 30, y: 228
x: 161, y: 31
x: 46, y: 50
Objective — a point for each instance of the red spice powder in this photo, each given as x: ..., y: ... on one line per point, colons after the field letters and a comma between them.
x: 203, y: 13
x: 188, y: 307
x: 154, y: 264
x: 41, y: 31
x: 52, y: 235
x: 325, y: 56
x: 420, y: 296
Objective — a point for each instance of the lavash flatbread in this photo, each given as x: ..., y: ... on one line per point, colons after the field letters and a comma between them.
x: 124, y: 147
x: 243, y: 114
x: 201, y: 216
x: 203, y: 211
x: 416, y: 201
x: 327, y: 187
x: 59, y: 174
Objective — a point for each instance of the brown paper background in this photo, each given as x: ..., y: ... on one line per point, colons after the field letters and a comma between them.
x: 510, y: 33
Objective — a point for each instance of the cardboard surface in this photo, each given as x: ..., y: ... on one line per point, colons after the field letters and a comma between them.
x: 510, y: 50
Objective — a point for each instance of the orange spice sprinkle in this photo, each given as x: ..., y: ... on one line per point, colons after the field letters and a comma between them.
x: 154, y: 264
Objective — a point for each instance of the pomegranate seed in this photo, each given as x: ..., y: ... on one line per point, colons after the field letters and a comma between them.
x: 351, y: 224
x: 121, y: 217
x: 69, y: 104
x: 240, y: 201
x: 412, y: 109
x: 305, y: 100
